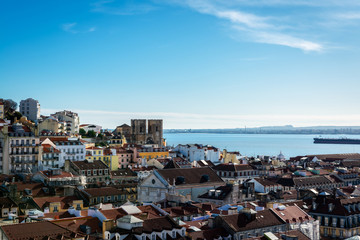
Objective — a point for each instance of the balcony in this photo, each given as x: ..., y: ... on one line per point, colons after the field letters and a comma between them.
x: 24, y: 153
x: 24, y: 145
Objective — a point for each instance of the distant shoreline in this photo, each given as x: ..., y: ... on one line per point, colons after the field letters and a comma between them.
x: 261, y: 133
x: 274, y: 130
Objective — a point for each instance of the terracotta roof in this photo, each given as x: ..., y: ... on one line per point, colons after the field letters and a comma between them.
x: 87, y: 165
x: 36, y: 230
x: 148, y: 212
x: 182, y: 211
x: 58, y: 215
x: 241, y: 222
x: 322, y: 206
x: 157, y: 225
x: 6, y: 202
x: 64, y: 201
x: 306, y: 181
x: 171, y: 164
x: 233, y: 167
x: 74, y: 224
x: 47, y: 173
x: 37, y: 189
x: 47, y: 148
x: 209, y: 234
x: 292, y: 214
x: 94, y: 148
x: 113, y: 213
x: 291, y: 234
x: 266, y: 182
x: 188, y: 176
x: 104, y: 191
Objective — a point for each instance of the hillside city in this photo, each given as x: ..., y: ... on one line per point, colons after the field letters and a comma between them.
x: 66, y: 179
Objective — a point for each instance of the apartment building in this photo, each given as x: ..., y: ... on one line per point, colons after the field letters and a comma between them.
x: 70, y: 149
x: 30, y: 108
x: 196, y: 152
x: 20, y: 149
x: 71, y: 120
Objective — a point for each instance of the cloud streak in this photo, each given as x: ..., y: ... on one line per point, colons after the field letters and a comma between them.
x: 71, y: 28
x: 111, y: 119
x: 258, y: 29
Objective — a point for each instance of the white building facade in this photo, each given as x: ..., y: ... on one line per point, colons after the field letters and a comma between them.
x: 30, y: 108
x: 196, y: 152
x: 71, y: 149
x: 70, y: 119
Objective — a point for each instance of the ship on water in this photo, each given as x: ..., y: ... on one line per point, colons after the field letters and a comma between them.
x: 336, y: 140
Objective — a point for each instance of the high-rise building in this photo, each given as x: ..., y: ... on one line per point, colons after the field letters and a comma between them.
x: 30, y: 108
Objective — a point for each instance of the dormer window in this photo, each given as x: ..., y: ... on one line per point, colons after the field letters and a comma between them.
x: 153, y: 236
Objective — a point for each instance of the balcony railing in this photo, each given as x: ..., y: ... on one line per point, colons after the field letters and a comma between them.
x: 24, y: 153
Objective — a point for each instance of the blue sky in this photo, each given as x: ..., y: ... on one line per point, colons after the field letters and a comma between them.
x: 196, y: 64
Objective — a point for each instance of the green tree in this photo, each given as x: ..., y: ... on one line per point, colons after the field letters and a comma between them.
x: 82, y: 132
x: 91, y: 134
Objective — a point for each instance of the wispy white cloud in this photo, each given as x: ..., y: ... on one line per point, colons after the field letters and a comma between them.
x: 92, y: 29
x: 121, y: 7
x: 111, y: 119
x: 286, y: 40
x: 71, y: 28
x: 257, y: 28
x: 348, y: 15
x: 304, y: 3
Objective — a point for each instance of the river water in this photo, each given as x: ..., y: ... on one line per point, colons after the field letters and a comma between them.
x: 264, y: 144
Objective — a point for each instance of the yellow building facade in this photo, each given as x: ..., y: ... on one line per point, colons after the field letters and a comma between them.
x: 118, y: 141
x: 104, y: 155
x: 51, y: 124
x: 151, y: 155
x: 111, y: 161
x: 229, y: 157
